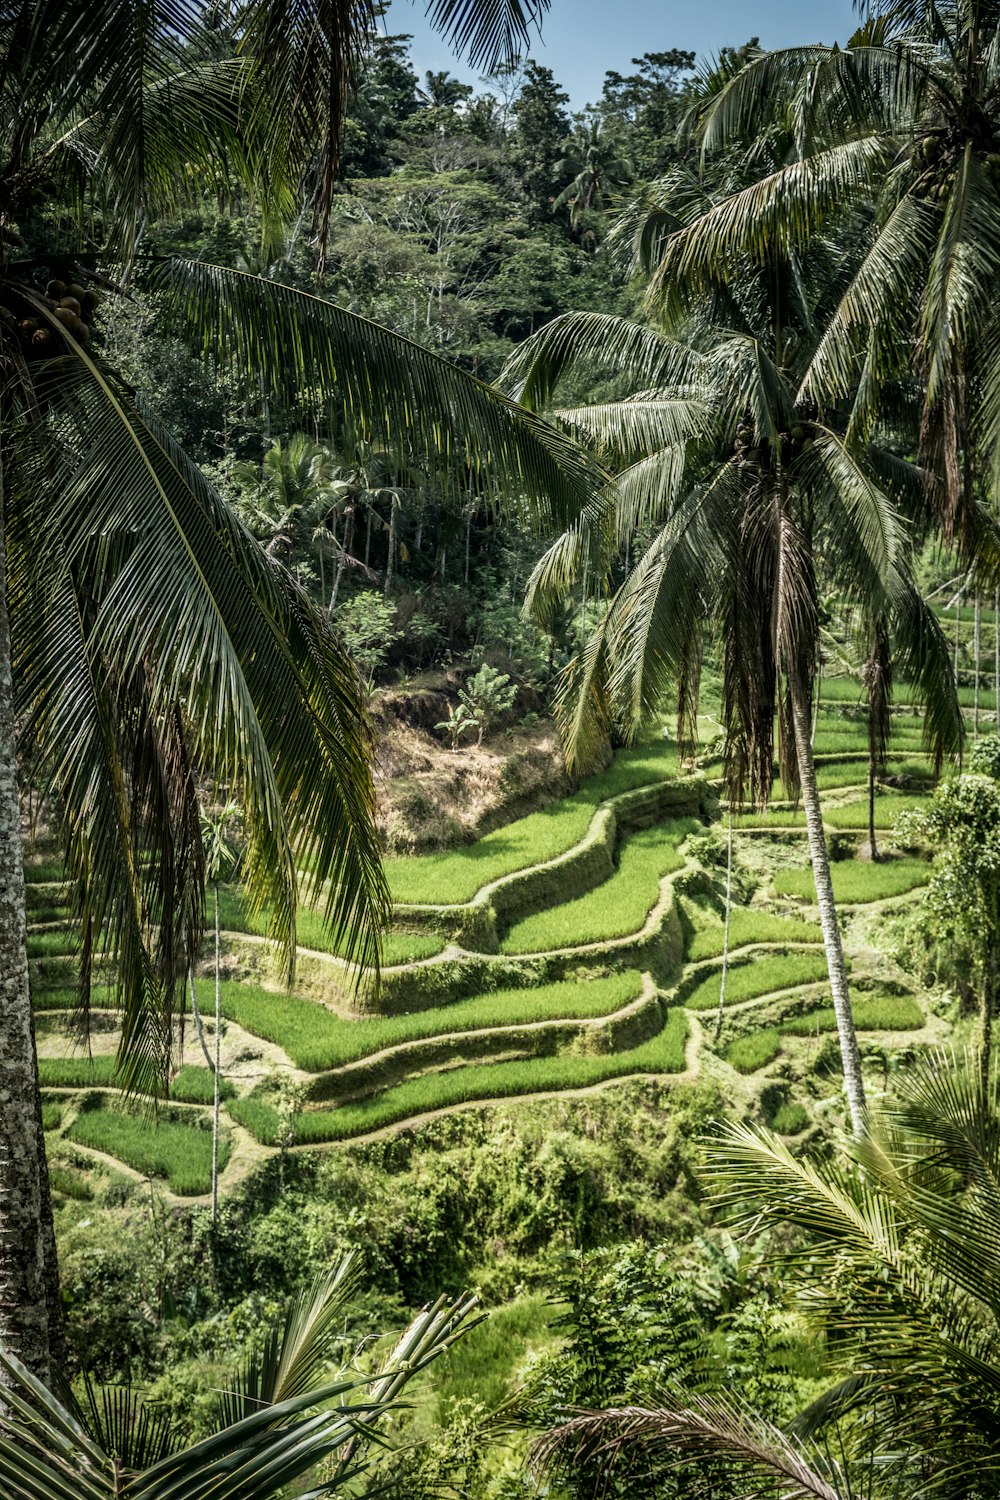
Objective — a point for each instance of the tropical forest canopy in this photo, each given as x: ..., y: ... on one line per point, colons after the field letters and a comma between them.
x: 499, y: 760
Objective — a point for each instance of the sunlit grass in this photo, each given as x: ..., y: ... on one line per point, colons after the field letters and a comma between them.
x: 617, y: 908
x: 663, y: 1053
x: 751, y: 978
x: 856, y: 881
x: 179, y: 1152
x: 315, y: 1039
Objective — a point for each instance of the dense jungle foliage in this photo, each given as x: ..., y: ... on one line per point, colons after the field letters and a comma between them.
x: 501, y: 649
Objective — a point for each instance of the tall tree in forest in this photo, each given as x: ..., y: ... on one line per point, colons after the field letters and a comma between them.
x: 145, y: 641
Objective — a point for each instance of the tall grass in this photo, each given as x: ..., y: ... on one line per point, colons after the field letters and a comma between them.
x: 748, y: 925
x: 663, y: 1053
x: 748, y: 1053
x: 456, y: 875
x: 856, y: 881
x: 315, y: 1039
x: 181, y: 1153
x: 759, y: 976
x: 880, y: 1013
x: 313, y: 932
x: 889, y: 808
x: 617, y: 908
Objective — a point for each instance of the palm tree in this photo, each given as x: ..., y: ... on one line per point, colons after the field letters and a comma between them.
x: 897, y: 1259
x: 288, y: 1409
x: 754, y: 491
x: 903, y: 123
x: 146, y: 644
x: 594, y: 169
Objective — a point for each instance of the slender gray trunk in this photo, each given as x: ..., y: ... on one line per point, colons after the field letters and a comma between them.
x: 816, y: 696
x: 958, y: 625
x: 218, y: 1063
x: 725, y: 930
x: 393, y: 520
x: 996, y: 656
x: 976, y: 646
x: 820, y: 858
x: 27, y: 1244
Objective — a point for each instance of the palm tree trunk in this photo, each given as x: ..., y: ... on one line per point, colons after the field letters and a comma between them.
x: 393, y: 517
x: 725, y: 931
x: 27, y: 1241
x: 872, y: 773
x: 996, y: 655
x: 218, y: 1064
x: 820, y: 858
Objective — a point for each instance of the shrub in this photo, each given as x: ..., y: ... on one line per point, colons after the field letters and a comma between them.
x: 749, y: 1053
x: 487, y: 696
x: 617, y: 908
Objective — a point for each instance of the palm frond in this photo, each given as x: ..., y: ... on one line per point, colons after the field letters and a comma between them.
x: 310, y: 352
x: 708, y: 1429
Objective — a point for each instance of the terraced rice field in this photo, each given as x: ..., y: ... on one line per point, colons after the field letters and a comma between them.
x: 584, y: 990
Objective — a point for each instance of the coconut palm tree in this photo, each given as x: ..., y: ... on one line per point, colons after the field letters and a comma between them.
x: 594, y: 167
x: 896, y: 1258
x: 287, y: 1410
x: 753, y: 492
x: 146, y: 643
x: 904, y: 124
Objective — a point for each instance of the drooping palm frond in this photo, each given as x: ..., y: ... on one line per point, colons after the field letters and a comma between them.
x: 490, y: 33
x: 162, y: 574
x: 307, y: 350
x: 756, y: 1456
x: 777, y: 214
x: 645, y: 420
x: 596, y: 341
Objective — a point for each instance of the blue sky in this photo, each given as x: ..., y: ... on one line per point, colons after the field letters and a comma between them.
x: 581, y: 39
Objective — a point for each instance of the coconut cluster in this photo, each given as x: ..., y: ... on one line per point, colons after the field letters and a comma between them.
x: 751, y: 450
x: 72, y: 307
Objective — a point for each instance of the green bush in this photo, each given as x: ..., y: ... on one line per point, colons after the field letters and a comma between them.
x: 856, y: 881
x: 748, y: 925
x: 663, y: 1053
x: 617, y: 908
x: 181, y: 1153
x: 748, y: 1053
x: 315, y: 1039
x: 759, y: 976
x: 880, y: 1013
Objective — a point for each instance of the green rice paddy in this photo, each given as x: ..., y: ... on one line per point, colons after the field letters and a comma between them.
x: 752, y: 978
x: 615, y: 909
x: 315, y: 1039
x: 663, y: 1053
x: 856, y: 881
x: 179, y: 1152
